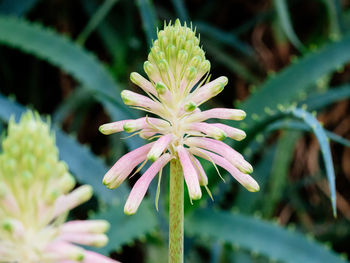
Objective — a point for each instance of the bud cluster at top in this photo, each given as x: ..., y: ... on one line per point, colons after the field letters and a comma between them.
x: 176, y: 56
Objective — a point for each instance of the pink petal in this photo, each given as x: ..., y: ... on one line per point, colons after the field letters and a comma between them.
x: 217, y: 113
x: 143, y: 83
x: 62, y: 251
x: 244, y: 179
x: 147, y: 133
x: 140, y: 188
x: 152, y: 71
x: 96, y: 240
x: 112, y: 127
x: 67, y: 202
x: 190, y: 173
x: 231, y: 132
x: 85, y: 226
x: 134, y: 99
x: 202, y: 177
x: 145, y: 123
x: 159, y: 147
x: 208, y: 91
x: 124, y: 166
x: 223, y: 149
x: 163, y: 93
x: 209, y: 130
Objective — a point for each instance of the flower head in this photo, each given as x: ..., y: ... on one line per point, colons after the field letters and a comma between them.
x: 35, y: 198
x: 178, y: 85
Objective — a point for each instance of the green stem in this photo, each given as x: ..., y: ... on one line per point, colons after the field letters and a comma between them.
x: 176, y: 213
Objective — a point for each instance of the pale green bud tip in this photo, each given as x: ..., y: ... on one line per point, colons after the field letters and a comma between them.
x: 101, y: 241
x: 104, y: 129
x: 161, y: 88
x: 128, y: 127
x: 135, y: 78
x: 253, y: 187
x: 191, y: 73
x: 246, y: 168
x: 152, y: 157
x: 7, y: 225
x: 220, y: 136
x: 125, y: 97
x: 240, y: 114
x: 149, y: 68
x: 205, y: 66
x: 196, y: 195
x: 85, y: 193
x: 129, y: 210
x: 240, y: 136
x: 190, y: 106
x: 79, y: 257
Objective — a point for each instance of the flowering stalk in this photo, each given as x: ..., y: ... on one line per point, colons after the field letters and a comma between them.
x: 176, y: 212
x: 35, y: 198
x: 178, y: 85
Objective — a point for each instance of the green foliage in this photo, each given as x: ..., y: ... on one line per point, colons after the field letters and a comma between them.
x: 278, y: 179
x: 257, y: 236
x: 286, y: 23
x: 149, y: 19
x: 304, y: 73
x: 60, y: 51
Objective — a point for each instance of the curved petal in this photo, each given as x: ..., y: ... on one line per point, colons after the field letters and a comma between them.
x: 190, y: 173
x: 159, y: 147
x: 140, y: 188
x: 209, y: 130
x: 223, y: 149
x: 124, y: 166
x: 231, y: 132
x: 244, y: 179
x: 217, y: 113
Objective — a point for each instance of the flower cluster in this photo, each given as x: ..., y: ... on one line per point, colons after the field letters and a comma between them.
x: 178, y: 85
x: 35, y: 198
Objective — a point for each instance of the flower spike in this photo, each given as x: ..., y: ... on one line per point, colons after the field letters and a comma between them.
x: 35, y: 198
x: 179, y: 84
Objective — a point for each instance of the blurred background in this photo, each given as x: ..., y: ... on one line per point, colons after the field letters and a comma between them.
x: 288, y: 68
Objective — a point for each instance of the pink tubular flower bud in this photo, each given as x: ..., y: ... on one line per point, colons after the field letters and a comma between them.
x: 144, y: 123
x: 209, y: 129
x: 202, y: 177
x: 112, y: 127
x: 244, y: 179
x: 65, y: 251
x: 143, y: 83
x: 72, y: 200
x: 124, y: 166
x: 217, y: 113
x: 231, y: 132
x: 223, y: 149
x: 86, y: 239
x: 140, y: 188
x: 209, y: 90
x: 159, y: 146
x: 190, y: 173
x: 85, y: 226
x: 134, y: 99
